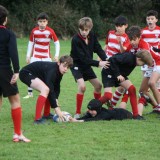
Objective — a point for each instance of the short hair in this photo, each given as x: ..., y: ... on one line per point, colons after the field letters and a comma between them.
x: 3, y: 14
x: 134, y: 32
x: 85, y: 22
x: 66, y: 59
x: 42, y: 15
x: 152, y: 13
x: 120, y: 20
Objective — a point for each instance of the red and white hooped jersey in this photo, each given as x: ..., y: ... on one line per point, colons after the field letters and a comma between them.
x: 141, y: 45
x: 151, y: 36
x: 112, y: 43
x: 144, y: 45
x: 39, y: 42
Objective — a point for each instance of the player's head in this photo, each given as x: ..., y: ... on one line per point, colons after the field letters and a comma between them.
x: 134, y: 34
x: 152, y: 18
x: 3, y: 15
x: 42, y: 20
x: 121, y: 23
x: 94, y: 107
x: 65, y: 62
x: 144, y: 57
x: 85, y: 25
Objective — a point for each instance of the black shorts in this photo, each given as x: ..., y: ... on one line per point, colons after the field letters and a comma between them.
x: 7, y: 89
x: 26, y: 77
x: 85, y: 74
x: 109, y: 80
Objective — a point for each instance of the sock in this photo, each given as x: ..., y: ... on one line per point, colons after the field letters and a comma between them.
x: 116, y: 96
x: 107, y: 96
x: 47, y: 108
x: 17, y: 119
x: 79, y: 100
x: 125, y: 97
x: 30, y: 91
x: 142, y: 100
x: 39, y: 106
x: 97, y: 95
x: 133, y: 99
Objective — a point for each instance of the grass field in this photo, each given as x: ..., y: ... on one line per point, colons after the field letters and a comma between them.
x: 103, y: 140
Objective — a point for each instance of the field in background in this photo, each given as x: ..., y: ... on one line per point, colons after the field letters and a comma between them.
x: 103, y: 140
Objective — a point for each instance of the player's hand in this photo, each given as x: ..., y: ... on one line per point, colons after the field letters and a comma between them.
x: 59, y: 113
x: 28, y: 60
x: 14, y: 78
x: 121, y: 78
x: 71, y: 119
x: 104, y: 64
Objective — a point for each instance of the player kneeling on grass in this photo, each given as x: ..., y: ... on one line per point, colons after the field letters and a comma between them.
x: 45, y: 77
x: 97, y: 112
x: 121, y: 65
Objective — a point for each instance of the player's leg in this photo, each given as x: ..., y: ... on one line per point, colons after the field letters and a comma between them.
x: 117, y: 95
x: 107, y: 95
x: 30, y: 93
x: 144, y: 90
x: 16, y: 114
x: 124, y: 100
x: 108, y: 82
x: 47, y: 110
x: 39, y: 85
x: 152, y: 83
x: 97, y: 87
x: 79, y: 96
x: 132, y: 94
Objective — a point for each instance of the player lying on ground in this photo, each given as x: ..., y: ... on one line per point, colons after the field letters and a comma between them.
x: 97, y: 112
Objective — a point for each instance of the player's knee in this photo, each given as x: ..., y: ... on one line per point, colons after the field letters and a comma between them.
x: 82, y: 88
x: 151, y: 84
x: 98, y: 88
x: 132, y: 90
x: 45, y: 91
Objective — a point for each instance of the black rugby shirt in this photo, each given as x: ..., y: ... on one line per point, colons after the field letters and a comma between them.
x: 8, y: 49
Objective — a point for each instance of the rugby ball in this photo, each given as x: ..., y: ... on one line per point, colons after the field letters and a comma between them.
x: 66, y: 116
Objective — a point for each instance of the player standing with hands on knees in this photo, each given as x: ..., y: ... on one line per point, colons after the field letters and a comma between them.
x: 8, y: 77
x: 45, y: 77
x: 83, y: 45
x: 39, y: 44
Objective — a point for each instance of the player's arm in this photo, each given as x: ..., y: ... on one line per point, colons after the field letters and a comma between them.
x: 57, y: 50
x: 29, y: 51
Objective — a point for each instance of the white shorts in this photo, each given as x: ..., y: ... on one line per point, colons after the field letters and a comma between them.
x: 33, y: 59
x: 156, y: 69
x: 148, y: 73
x: 144, y: 68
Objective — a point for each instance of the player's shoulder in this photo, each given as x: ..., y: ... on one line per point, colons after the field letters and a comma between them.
x: 111, y: 32
x: 157, y: 28
x: 49, y: 29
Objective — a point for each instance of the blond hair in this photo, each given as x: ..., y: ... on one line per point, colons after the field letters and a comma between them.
x: 85, y: 22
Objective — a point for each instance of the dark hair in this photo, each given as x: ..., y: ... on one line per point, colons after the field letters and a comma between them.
x: 134, y: 32
x: 152, y: 13
x: 120, y: 21
x: 3, y: 14
x: 95, y: 104
x: 42, y: 15
x: 66, y: 59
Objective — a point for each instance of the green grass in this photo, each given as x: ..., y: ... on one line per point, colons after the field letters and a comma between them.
x: 103, y: 140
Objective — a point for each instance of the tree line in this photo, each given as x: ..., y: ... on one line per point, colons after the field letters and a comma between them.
x: 64, y: 14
